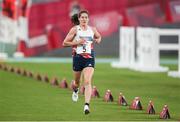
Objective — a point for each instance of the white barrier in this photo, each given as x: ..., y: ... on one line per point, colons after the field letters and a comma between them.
x: 8, y: 30
x: 171, y: 32
x: 127, y: 48
x: 176, y: 73
x: 18, y: 55
x: 3, y: 56
x: 147, y: 48
x: 147, y: 51
x: 8, y: 36
x: 23, y: 28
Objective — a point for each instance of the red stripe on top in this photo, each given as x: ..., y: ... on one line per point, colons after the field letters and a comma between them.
x: 86, y: 55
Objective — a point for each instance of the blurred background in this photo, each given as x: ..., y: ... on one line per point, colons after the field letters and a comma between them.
x: 37, y: 27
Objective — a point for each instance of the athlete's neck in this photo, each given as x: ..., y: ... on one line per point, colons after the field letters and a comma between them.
x: 84, y: 27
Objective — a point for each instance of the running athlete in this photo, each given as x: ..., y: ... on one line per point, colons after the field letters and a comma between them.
x: 81, y: 38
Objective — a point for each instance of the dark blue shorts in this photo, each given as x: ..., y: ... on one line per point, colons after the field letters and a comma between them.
x: 79, y: 62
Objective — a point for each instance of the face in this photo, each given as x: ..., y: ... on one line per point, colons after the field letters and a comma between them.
x: 84, y: 19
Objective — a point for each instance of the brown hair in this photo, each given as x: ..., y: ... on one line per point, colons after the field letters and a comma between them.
x: 74, y: 19
x: 81, y: 12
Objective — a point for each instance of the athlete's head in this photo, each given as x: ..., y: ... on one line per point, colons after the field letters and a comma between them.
x: 74, y: 19
x: 83, y: 17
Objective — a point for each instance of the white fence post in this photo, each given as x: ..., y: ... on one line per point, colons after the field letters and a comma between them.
x: 147, y: 51
x: 172, y: 32
x: 127, y: 48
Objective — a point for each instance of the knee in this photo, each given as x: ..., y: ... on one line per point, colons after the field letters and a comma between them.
x: 87, y: 82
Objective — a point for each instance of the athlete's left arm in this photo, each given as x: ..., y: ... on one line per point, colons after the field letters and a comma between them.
x: 97, y: 35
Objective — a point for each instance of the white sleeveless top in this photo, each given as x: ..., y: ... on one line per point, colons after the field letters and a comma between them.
x: 88, y: 36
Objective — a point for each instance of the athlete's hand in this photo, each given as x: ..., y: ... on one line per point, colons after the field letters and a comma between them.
x: 81, y: 42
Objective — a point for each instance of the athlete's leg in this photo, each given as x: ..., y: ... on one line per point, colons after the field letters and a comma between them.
x: 77, y: 77
x: 88, y: 74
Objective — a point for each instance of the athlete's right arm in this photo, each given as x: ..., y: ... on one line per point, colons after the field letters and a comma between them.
x: 68, y: 41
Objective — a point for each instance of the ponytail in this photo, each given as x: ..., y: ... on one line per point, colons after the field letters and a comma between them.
x: 74, y: 19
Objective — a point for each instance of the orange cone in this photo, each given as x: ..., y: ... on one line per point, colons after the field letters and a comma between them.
x: 30, y: 74
x: 108, y: 96
x: 165, y: 113
x: 46, y: 79
x: 5, y: 68
x: 1, y: 66
x: 24, y: 73
x: 11, y: 69
x: 54, y: 82
x: 18, y: 71
x: 136, y: 104
x: 150, y: 109
x: 38, y: 77
x: 122, y: 100
x: 95, y: 92
x: 63, y: 84
x: 8, y: 68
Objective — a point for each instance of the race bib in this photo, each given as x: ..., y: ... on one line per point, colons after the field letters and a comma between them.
x: 85, y: 48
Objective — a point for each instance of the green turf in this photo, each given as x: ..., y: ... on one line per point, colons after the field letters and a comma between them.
x: 23, y: 98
